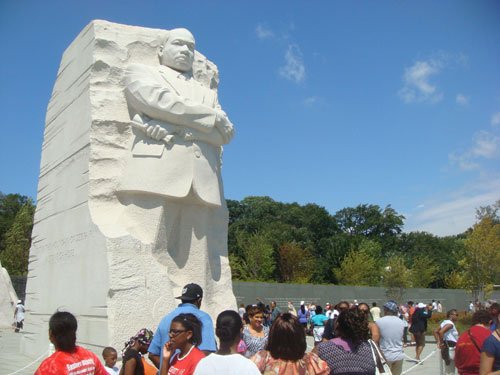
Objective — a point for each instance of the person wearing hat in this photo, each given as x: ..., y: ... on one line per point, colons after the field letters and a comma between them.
x: 391, y: 337
x: 419, y: 326
x: 191, y: 298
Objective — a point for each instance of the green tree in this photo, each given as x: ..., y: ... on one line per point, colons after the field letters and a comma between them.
x: 295, y: 263
x: 396, y: 277
x: 444, y: 252
x: 359, y: 267
x: 257, y: 260
x: 10, y: 204
x: 329, y: 253
x: 456, y: 280
x: 238, y: 268
x: 423, y: 272
x: 369, y: 220
x: 481, y: 262
x: 15, y: 257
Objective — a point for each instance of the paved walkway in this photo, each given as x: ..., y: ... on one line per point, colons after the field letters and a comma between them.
x: 12, y: 361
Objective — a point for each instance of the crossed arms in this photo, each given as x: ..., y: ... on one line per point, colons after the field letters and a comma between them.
x: 153, y: 95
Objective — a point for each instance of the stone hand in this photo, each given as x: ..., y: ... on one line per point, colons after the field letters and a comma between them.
x: 156, y: 132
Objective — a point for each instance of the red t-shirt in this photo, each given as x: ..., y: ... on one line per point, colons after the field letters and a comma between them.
x: 81, y: 362
x: 466, y: 354
x: 186, y: 365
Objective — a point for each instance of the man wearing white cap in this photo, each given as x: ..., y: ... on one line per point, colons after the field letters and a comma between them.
x: 419, y: 326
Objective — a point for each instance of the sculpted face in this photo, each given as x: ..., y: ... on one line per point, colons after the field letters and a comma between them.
x: 178, y: 51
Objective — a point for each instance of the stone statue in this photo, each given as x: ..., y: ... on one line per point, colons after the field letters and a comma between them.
x: 175, y: 163
x: 130, y: 204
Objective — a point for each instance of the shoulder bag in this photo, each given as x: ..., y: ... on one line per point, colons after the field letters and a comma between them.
x: 381, y: 365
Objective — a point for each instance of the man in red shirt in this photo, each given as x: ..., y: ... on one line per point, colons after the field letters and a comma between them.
x: 69, y: 359
x: 469, y: 344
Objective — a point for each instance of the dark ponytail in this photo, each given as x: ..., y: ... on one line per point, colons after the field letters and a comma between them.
x: 228, y: 329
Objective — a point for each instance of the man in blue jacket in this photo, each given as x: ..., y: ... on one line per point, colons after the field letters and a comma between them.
x: 191, y: 298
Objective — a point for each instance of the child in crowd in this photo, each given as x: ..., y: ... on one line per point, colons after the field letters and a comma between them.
x: 110, y: 356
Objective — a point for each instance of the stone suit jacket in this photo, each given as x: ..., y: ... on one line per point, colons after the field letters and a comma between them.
x: 169, y: 98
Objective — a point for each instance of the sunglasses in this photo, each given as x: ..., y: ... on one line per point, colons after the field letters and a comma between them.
x: 176, y: 332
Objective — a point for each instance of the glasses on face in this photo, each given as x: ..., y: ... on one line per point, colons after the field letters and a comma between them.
x: 176, y: 332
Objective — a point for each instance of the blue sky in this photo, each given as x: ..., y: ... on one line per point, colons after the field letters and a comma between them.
x: 334, y: 102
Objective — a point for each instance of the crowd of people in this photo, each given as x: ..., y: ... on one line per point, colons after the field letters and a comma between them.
x: 349, y: 338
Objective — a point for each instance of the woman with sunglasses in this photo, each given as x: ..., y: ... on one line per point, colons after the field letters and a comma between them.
x: 180, y: 353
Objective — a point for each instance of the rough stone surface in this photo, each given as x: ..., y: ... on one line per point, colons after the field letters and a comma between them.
x: 93, y: 252
x: 8, y: 299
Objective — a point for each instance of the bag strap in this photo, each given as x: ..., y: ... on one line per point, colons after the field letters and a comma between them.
x: 377, y: 357
x: 473, y: 341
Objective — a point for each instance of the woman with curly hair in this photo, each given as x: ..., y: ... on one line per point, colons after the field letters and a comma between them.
x: 255, y: 334
x: 180, y: 353
x: 349, y: 352
x: 286, y: 350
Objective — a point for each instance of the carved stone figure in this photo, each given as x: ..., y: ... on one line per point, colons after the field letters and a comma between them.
x: 175, y: 164
x: 130, y: 204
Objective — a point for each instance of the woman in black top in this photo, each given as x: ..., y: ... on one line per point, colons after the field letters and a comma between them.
x: 419, y: 326
x: 132, y: 353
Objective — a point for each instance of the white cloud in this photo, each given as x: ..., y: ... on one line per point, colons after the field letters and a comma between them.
x: 294, y: 69
x: 417, y: 85
x: 485, y: 145
x: 462, y: 100
x: 263, y: 32
x: 495, y: 119
x: 454, y: 212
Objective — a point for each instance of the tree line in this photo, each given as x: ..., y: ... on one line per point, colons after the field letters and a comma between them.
x: 272, y: 241
x: 363, y: 245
